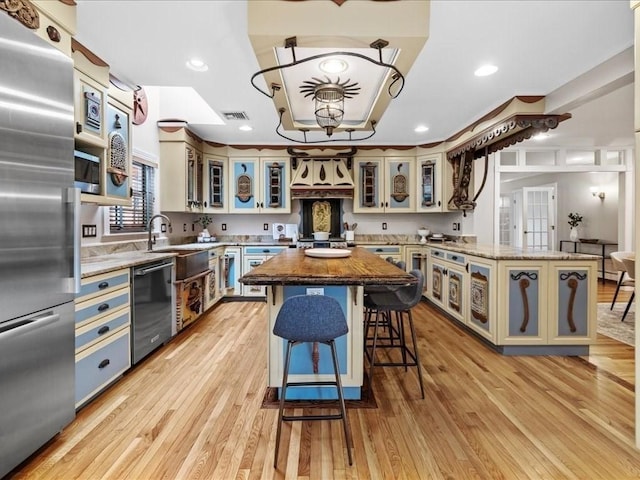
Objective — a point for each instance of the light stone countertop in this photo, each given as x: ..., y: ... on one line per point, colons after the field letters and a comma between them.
x: 116, y: 257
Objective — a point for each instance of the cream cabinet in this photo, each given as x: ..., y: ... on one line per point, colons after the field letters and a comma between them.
x: 90, y: 87
x: 524, y: 305
x: 215, y: 184
x: 102, y: 333
x: 386, y: 251
x: 214, y: 288
x: 259, y: 185
x: 548, y: 303
x: 181, y: 171
x: 117, y: 168
x: 448, y: 280
x: 57, y: 22
x: 103, y: 126
x: 482, y: 313
x: 252, y: 257
x: 417, y: 258
x: 429, y: 184
x: 384, y: 184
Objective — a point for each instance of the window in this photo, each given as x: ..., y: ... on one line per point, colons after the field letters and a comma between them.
x: 136, y: 217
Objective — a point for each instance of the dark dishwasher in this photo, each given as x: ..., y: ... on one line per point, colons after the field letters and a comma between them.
x: 151, y: 308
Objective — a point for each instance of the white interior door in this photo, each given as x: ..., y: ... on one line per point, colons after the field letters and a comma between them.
x: 538, y: 217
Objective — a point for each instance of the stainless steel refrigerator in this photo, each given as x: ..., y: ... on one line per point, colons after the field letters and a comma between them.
x: 38, y: 233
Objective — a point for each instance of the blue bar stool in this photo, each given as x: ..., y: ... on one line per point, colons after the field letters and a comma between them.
x: 382, y: 309
x: 311, y: 318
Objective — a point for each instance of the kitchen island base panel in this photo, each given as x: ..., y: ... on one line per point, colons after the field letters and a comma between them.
x: 349, y: 346
x: 514, y: 350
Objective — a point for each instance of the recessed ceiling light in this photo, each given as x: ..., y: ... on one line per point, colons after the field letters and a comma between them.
x: 485, y: 70
x: 421, y: 128
x: 197, y: 65
x: 333, y: 65
x: 246, y: 128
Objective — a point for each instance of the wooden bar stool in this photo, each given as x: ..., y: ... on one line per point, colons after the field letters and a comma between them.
x: 311, y: 318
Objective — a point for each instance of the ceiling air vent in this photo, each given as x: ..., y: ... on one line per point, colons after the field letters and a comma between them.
x: 235, y: 116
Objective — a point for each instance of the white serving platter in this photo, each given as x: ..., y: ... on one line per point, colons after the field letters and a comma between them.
x: 327, y: 252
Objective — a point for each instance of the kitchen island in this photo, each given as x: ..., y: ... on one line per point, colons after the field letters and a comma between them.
x: 292, y: 272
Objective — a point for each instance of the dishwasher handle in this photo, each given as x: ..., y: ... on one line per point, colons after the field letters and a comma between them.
x: 13, y: 328
x: 143, y: 271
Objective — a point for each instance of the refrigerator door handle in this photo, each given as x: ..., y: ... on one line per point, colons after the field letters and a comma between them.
x: 12, y: 329
x: 73, y: 225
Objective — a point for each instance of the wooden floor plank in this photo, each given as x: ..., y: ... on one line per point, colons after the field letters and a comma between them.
x: 193, y: 411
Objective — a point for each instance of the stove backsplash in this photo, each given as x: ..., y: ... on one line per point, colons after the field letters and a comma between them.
x: 333, y: 205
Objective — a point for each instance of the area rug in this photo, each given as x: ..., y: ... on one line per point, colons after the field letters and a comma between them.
x: 367, y: 400
x: 610, y: 324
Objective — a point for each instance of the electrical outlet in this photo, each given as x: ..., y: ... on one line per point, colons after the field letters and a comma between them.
x: 265, y: 227
x: 163, y: 227
x: 193, y: 227
x: 455, y: 226
x: 315, y: 291
x: 184, y: 227
x: 224, y: 227
x: 384, y: 225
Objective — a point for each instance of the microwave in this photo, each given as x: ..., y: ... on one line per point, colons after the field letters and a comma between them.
x: 87, y: 172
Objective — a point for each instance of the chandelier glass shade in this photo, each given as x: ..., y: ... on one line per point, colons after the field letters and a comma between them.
x: 329, y: 106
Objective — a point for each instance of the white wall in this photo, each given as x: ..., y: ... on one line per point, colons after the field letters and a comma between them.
x: 573, y: 195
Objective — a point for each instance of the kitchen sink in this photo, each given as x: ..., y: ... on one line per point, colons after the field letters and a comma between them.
x: 188, y: 262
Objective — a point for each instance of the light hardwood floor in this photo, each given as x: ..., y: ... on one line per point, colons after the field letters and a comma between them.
x: 193, y: 410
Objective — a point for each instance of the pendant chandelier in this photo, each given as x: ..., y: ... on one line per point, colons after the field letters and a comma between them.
x: 329, y: 95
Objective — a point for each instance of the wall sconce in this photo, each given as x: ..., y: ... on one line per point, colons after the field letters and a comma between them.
x: 596, y: 192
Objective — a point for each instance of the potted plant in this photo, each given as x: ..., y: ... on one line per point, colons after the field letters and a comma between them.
x: 205, y: 221
x: 575, y: 219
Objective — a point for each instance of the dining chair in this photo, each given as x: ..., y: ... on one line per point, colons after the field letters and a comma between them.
x: 630, y: 267
x: 623, y: 278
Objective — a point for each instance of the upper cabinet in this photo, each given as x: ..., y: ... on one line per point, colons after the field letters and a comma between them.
x: 90, y: 86
x: 103, y: 113
x: 55, y: 22
x: 181, y: 171
x: 429, y: 183
x: 215, y: 184
x: 384, y: 184
x: 117, y: 166
x: 259, y: 185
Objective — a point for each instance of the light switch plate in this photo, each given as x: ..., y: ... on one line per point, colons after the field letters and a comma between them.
x: 89, y: 231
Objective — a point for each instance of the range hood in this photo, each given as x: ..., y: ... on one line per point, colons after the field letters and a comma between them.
x: 321, y: 176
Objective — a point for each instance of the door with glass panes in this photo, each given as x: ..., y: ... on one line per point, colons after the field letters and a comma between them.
x: 534, y: 218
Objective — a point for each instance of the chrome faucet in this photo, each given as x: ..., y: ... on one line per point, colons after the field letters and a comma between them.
x: 150, y: 229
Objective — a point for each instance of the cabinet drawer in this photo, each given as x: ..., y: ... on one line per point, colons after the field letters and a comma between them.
x: 98, y: 366
x: 263, y: 250
x: 456, y: 257
x: 101, y: 328
x: 384, y: 250
x: 102, y: 305
x: 438, y: 253
x: 100, y: 284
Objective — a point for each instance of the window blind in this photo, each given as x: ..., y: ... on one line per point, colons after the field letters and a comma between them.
x: 135, y: 218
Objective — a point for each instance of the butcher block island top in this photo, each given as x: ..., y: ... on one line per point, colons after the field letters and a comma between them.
x: 294, y: 267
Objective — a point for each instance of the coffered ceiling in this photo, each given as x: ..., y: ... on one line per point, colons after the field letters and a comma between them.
x: 539, y: 47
